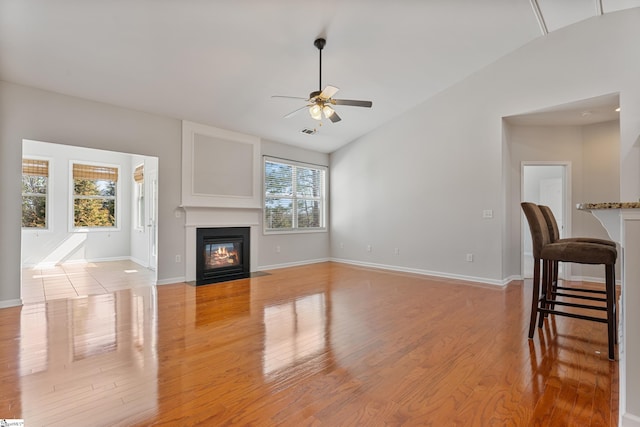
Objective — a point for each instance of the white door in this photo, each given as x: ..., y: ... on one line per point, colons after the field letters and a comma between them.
x: 544, y: 184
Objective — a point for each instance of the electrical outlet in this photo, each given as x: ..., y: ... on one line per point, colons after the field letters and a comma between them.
x: 396, y: 251
x: 487, y: 213
x: 341, y: 245
x: 178, y: 258
x: 277, y: 249
x: 368, y: 248
x: 469, y: 257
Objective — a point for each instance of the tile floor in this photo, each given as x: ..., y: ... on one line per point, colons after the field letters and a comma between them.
x: 91, y: 278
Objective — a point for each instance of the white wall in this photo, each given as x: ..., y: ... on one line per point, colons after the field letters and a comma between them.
x: 59, y: 243
x: 421, y: 182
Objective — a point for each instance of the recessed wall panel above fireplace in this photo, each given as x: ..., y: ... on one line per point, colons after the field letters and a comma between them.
x: 220, y: 168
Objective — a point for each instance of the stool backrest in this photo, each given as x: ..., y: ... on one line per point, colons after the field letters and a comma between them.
x: 538, y: 226
x: 552, y: 224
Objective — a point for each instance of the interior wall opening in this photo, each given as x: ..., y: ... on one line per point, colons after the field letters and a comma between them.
x: 89, y: 221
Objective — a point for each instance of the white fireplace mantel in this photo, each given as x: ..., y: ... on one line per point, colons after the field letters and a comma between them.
x: 221, y: 185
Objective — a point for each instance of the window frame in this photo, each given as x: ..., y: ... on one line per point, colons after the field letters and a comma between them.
x: 48, y: 208
x: 117, y: 198
x: 323, y: 197
x: 139, y: 195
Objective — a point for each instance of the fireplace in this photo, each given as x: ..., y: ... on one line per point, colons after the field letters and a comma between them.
x: 222, y: 254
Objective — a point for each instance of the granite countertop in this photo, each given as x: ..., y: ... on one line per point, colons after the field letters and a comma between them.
x: 608, y: 205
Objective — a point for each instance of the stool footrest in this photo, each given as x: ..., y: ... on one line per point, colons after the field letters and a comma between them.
x: 593, y: 291
x: 558, y: 294
x: 569, y: 304
x: 574, y: 315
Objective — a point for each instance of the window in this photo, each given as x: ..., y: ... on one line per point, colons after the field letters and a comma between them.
x: 294, y: 196
x: 35, y: 185
x: 94, y: 195
x: 138, y: 191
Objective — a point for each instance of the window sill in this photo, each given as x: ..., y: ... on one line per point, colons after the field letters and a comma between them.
x: 296, y: 231
x: 94, y: 230
x: 33, y: 230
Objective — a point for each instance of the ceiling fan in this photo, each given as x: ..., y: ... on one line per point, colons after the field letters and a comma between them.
x: 320, y: 101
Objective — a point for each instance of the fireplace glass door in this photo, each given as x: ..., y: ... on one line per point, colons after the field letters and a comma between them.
x: 222, y: 254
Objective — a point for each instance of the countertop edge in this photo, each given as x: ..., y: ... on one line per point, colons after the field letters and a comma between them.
x: 608, y: 205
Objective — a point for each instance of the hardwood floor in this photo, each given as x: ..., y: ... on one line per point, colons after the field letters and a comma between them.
x: 326, y: 344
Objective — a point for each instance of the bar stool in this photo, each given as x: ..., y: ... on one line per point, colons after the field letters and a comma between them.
x: 582, y: 252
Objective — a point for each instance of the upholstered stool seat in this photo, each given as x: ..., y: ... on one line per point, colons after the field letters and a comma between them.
x: 579, y: 252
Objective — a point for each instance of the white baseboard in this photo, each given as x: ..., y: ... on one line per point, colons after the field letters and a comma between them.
x: 629, y: 420
x: 511, y: 279
x: 145, y: 264
x: 10, y: 303
x: 171, y: 281
x: 591, y: 279
x: 292, y: 264
x: 474, y: 279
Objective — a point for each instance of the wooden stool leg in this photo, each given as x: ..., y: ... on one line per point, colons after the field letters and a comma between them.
x: 546, y: 290
x: 615, y: 303
x: 611, y: 317
x: 535, y: 295
x: 555, y: 266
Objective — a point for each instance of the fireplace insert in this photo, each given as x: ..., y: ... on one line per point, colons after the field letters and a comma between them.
x: 222, y: 254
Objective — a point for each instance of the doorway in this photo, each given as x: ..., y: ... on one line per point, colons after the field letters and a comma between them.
x: 545, y: 183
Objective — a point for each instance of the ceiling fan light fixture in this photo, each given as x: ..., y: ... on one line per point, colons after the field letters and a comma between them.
x: 316, y: 112
x: 328, y: 111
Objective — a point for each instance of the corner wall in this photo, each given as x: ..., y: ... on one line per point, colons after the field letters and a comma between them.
x: 422, y: 182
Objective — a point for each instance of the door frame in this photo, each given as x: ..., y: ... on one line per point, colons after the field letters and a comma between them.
x: 152, y: 219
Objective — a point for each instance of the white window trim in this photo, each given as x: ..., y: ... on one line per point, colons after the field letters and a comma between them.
x: 72, y: 227
x: 49, y: 219
x: 324, y: 198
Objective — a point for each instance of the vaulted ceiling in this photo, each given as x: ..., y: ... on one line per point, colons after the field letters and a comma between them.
x: 219, y: 62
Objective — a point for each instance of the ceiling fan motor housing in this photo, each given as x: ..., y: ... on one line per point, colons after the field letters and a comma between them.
x: 314, y: 94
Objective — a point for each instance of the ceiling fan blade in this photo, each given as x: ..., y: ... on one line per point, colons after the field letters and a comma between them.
x: 335, y: 118
x: 294, y: 112
x: 352, y: 102
x: 328, y: 92
x: 289, y: 97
